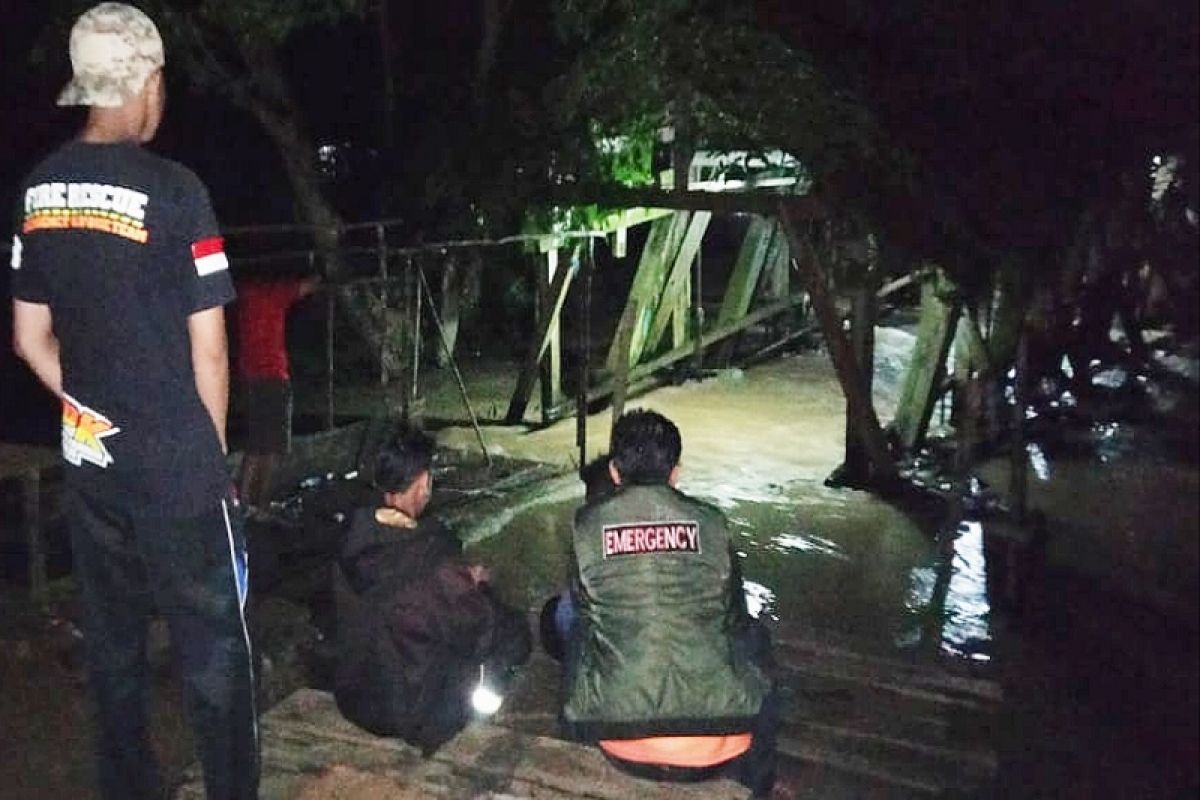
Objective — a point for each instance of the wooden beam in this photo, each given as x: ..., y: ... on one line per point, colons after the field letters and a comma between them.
x: 747, y: 270
x: 675, y: 301
x: 31, y: 501
x: 802, y: 207
x: 662, y: 244
x: 530, y: 371
x: 927, y: 365
x: 677, y: 354
x: 681, y: 315
x: 849, y: 373
x: 550, y: 373
x: 776, y: 280
x: 454, y: 279
x: 1018, y: 458
x: 856, y: 468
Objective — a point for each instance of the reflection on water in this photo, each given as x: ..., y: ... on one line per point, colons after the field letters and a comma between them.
x: 811, y: 544
x: 760, y: 601
x: 965, y: 627
x: 1038, y: 460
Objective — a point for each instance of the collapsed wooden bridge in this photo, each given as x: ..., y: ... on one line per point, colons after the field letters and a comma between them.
x: 794, y: 271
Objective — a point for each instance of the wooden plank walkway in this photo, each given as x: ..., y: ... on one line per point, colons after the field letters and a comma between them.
x: 309, y: 750
x: 27, y: 463
x: 855, y: 726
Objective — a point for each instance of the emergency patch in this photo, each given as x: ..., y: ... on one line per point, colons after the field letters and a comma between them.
x: 209, y: 255
x: 15, y: 260
x: 640, y: 538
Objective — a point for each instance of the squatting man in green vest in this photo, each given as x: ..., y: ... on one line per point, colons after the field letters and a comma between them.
x: 664, y: 668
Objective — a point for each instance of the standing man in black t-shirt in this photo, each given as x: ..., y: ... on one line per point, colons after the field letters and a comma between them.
x: 119, y: 283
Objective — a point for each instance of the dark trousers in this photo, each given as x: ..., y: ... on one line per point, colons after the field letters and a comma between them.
x: 193, y: 571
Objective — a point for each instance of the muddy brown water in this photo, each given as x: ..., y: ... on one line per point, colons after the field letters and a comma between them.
x: 1100, y: 668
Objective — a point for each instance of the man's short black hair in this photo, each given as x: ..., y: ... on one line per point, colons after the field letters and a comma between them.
x: 404, y: 456
x: 645, y: 447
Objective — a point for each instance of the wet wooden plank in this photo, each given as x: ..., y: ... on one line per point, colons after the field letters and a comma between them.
x: 915, y: 676
x: 17, y: 460
x: 26, y: 463
x: 855, y: 724
x: 898, y: 724
x: 304, y: 737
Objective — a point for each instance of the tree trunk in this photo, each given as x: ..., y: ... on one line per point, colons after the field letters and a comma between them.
x: 494, y: 12
x: 856, y: 469
x: 850, y: 374
x: 281, y: 121
x: 927, y: 366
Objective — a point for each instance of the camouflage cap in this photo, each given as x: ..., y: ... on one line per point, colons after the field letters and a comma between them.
x: 114, y: 49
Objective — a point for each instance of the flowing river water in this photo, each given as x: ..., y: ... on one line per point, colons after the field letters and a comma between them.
x: 1113, y: 614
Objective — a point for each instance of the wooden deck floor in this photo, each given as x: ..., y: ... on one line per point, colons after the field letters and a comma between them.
x: 856, y: 726
x: 310, y: 751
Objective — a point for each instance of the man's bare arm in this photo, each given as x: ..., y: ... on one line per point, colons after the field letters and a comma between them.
x: 34, y: 341
x: 210, y: 361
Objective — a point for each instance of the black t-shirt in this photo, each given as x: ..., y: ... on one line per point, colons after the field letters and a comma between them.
x: 123, y: 246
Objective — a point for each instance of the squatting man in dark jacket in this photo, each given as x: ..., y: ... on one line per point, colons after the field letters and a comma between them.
x: 664, y: 668
x: 419, y: 631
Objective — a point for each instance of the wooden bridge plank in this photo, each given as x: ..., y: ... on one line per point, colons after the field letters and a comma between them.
x: 305, y: 735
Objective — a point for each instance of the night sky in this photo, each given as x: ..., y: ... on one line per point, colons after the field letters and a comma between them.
x: 976, y: 90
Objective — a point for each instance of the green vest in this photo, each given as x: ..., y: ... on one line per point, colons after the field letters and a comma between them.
x: 658, y: 603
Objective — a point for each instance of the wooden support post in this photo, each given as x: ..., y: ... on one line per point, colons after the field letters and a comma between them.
x: 31, y: 495
x: 530, y: 370
x: 1011, y: 304
x: 675, y: 299
x: 550, y: 372
x: 662, y: 245
x: 927, y: 367
x: 330, y: 318
x: 747, y: 269
x: 856, y: 469
x: 776, y: 278
x: 585, y: 349
x: 697, y: 316
x: 1018, y: 459
x: 849, y: 373
x: 415, y: 300
x: 620, y: 370
x: 681, y: 314
x: 452, y: 280
x: 462, y: 386
x: 970, y: 382
x: 385, y: 338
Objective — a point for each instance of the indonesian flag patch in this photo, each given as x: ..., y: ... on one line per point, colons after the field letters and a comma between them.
x: 641, y: 538
x: 209, y: 255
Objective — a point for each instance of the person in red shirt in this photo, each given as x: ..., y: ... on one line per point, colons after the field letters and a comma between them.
x: 262, y: 308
